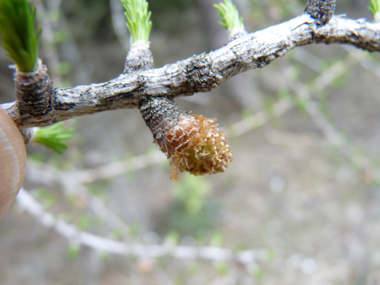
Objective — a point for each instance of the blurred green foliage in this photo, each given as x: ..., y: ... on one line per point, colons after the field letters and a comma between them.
x: 172, y: 238
x: 47, y: 198
x: 89, y: 20
x: 169, y: 15
x: 73, y: 250
x: 221, y: 268
x: 190, y: 212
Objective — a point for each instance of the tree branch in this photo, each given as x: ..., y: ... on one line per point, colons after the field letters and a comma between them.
x: 181, y: 252
x: 201, y: 73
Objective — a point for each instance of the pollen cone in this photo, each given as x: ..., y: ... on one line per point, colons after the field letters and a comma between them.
x: 192, y: 143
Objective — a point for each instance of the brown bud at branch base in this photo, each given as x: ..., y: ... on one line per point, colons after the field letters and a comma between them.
x: 192, y: 143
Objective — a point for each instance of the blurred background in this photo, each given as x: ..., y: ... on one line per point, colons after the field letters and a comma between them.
x: 300, y: 201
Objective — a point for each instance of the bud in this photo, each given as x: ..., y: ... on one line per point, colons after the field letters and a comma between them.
x: 34, y: 91
x: 192, y: 143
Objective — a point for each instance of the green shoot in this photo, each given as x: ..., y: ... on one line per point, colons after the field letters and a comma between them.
x: 138, y: 20
x: 374, y: 7
x: 229, y: 15
x: 53, y: 137
x: 19, y: 36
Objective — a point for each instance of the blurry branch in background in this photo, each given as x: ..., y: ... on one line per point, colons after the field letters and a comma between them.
x: 68, y: 231
x: 59, y: 37
x: 283, y: 105
x: 120, y: 167
x: 342, y: 144
x: 169, y: 247
x: 305, y: 92
x: 72, y: 186
x: 48, y: 41
x: 366, y: 62
x: 73, y: 234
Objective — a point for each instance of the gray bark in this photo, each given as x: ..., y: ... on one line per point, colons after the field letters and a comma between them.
x: 201, y: 73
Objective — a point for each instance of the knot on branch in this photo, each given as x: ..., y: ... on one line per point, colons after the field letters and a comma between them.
x: 199, y: 75
x: 321, y: 10
x: 34, y: 91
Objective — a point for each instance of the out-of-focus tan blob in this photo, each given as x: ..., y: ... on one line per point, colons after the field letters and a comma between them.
x: 12, y: 161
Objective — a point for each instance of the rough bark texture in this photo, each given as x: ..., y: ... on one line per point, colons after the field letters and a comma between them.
x: 200, y: 73
x: 321, y: 10
x: 33, y: 91
x: 139, y: 58
x: 160, y: 115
